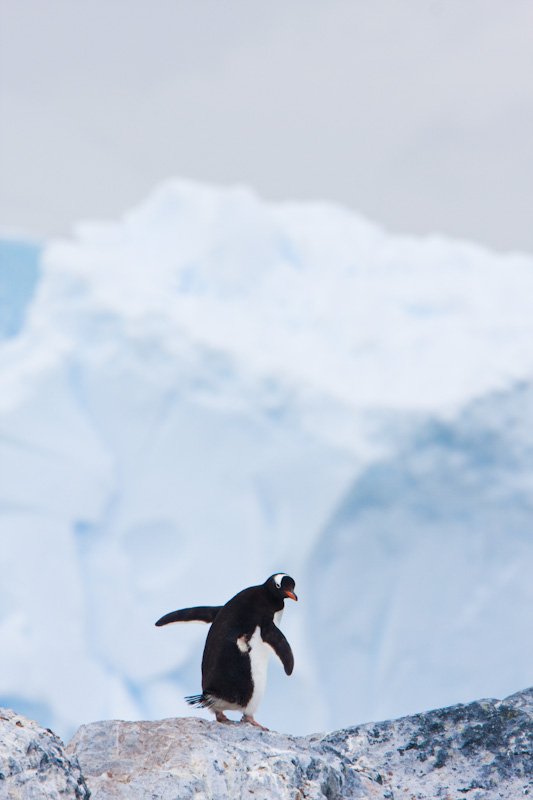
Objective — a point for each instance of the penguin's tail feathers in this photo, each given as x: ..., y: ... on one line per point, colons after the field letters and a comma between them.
x: 201, y: 700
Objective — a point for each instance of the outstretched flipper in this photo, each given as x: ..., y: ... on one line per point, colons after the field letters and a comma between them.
x: 272, y: 635
x: 199, y: 614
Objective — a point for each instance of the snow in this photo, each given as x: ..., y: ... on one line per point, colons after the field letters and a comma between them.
x: 213, y: 389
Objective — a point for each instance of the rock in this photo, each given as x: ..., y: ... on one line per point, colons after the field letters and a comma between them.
x: 479, y: 751
x: 194, y: 758
x: 33, y: 764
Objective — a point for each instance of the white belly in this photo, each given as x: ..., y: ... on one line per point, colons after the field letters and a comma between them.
x: 259, y: 657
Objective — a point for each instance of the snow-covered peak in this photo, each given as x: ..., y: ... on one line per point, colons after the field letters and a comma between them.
x: 308, y: 295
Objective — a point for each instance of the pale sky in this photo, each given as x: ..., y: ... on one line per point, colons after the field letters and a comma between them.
x: 416, y: 113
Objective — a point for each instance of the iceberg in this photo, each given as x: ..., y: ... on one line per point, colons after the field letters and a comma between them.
x: 213, y: 389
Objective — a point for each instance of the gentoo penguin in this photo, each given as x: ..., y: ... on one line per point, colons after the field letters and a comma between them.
x: 240, y: 642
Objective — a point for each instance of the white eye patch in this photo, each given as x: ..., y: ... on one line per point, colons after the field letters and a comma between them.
x: 278, y: 578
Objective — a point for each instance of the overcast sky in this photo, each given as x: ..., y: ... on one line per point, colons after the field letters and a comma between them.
x: 417, y: 113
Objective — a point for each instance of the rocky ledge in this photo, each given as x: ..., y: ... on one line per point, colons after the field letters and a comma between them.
x: 479, y: 751
x: 33, y: 763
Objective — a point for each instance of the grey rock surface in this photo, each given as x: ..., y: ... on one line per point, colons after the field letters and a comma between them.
x: 192, y: 758
x: 479, y: 751
x: 33, y: 764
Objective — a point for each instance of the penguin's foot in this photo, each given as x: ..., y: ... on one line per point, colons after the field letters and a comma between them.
x: 221, y: 717
x: 249, y: 718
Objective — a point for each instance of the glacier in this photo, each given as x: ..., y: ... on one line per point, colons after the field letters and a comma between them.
x: 214, y: 388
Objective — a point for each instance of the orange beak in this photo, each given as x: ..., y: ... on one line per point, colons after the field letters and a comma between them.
x: 291, y: 595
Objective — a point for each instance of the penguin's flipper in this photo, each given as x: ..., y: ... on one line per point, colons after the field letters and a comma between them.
x: 272, y: 636
x: 199, y: 614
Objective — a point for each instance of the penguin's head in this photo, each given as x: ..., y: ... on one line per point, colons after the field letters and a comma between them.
x: 281, y: 586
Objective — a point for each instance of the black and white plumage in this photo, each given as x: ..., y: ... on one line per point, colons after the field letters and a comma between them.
x: 241, y: 639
